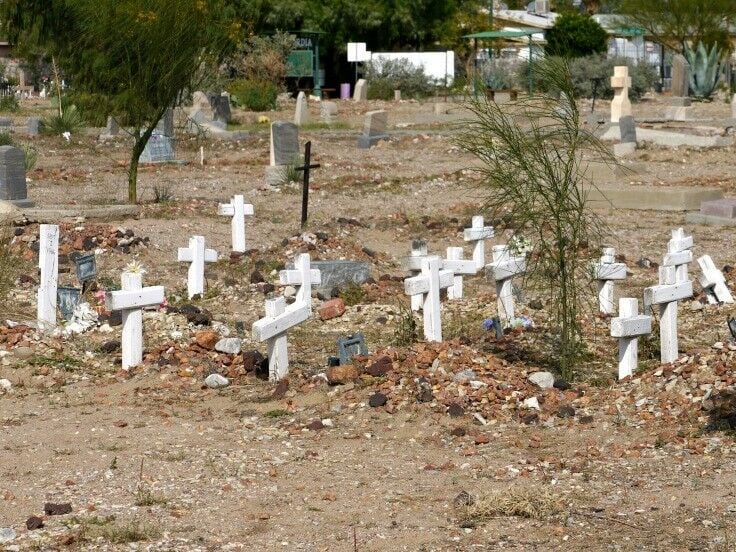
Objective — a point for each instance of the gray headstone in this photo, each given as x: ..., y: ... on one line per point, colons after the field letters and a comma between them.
x: 13, y: 174
x: 338, y: 273
x: 284, y: 143
x: 360, y: 94
x: 328, y: 111
x: 725, y: 208
x: 166, y: 125
x: 159, y: 149
x: 349, y: 347
x: 680, y: 76
x: 628, y: 129
x: 112, y: 127
x: 221, y: 108
x: 301, y: 114
x: 34, y: 126
x: 374, y: 129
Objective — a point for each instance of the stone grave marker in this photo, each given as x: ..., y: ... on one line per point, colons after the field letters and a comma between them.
x: 459, y: 267
x: 159, y: 149
x: 374, y: 129
x: 13, y: 176
x: 680, y: 76
x: 418, y: 253
x: 606, y: 272
x: 197, y: 255
x: 666, y: 295
x: 328, y: 111
x: 503, y: 268
x: 34, y: 126
x: 221, y: 111
x: 48, y: 262
x: 338, y: 273
x: 679, y: 109
x: 131, y: 300
x: 360, y: 94
x: 724, y: 208
x: 301, y: 115
x: 428, y: 284
x: 351, y: 346
x: 620, y: 82
x: 477, y: 234
x: 238, y: 210
x: 628, y: 327
x: 166, y: 125
x: 733, y: 107
x: 628, y: 129
x: 713, y: 281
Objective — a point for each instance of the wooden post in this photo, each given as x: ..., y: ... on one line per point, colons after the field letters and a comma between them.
x: 477, y: 234
x: 713, y: 281
x: 628, y: 327
x: 238, y: 210
x: 428, y: 285
x: 278, y: 354
x: 48, y: 262
x: 305, y: 185
x: 418, y: 252
x: 197, y: 255
x: 606, y: 271
x: 504, y: 268
x: 666, y: 295
x: 131, y: 300
x: 458, y: 266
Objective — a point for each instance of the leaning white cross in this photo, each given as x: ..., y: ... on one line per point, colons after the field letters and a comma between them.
x: 459, y: 267
x: 503, y: 268
x: 280, y: 318
x: 197, y: 255
x: 666, y: 295
x: 48, y: 261
x: 679, y: 253
x: 132, y: 299
x: 428, y: 284
x: 238, y: 210
x: 418, y: 253
x: 713, y: 281
x: 477, y: 234
x: 628, y: 327
x: 605, y: 272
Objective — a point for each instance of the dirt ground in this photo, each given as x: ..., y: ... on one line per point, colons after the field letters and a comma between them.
x: 154, y: 460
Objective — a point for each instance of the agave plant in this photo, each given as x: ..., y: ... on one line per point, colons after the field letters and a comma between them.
x: 705, y: 68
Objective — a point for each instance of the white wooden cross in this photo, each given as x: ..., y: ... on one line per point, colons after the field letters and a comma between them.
x: 666, y: 295
x: 713, y: 281
x: 418, y: 252
x: 477, y: 234
x: 279, y: 318
x: 48, y: 262
x: 428, y: 284
x: 628, y: 326
x: 679, y: 253
x: 197, y: 255
x: 132, y: 299
x: 605, y: 272
x: 458, y: 266
x: 503, y: 268
x: 238, y: 210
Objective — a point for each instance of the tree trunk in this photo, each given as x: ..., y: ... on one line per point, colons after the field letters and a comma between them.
x: 140, y: 144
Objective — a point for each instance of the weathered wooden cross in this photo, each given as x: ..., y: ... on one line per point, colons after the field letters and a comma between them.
x: 48, y: 262
x: 713, y: 281
x: 628, y: 327
x: 503, y: 268
x: 477, y: 234
x: 197, y: 255
x: 280, y: 318
x: 305, y: 185
x: 679, y: 253
x: 606, y: 272
x: 132, y: 299
x: 428, y: 284
x: 418, y: 252
x: 238, y: 210
x: 458, y: 266
x: 666, y: 295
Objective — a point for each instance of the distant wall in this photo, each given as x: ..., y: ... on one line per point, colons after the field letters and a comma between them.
x: 438, y: 65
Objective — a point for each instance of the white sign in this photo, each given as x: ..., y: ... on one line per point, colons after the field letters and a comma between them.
x: 357, y: 52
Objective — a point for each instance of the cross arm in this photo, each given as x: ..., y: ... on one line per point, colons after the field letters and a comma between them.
x: 613, y: 271
x: 461, y: 266
x: 475, y: 234
x: 269, y: 327
x: 127, y: 300
x: 667, y: 293
x: 632, y: 326
x: 503, y: 270
x: 420, y: 284
x: 294, y: 277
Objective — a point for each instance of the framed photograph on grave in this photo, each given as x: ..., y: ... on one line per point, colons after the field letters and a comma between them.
x: 85, y: 267
x: 349, y: 347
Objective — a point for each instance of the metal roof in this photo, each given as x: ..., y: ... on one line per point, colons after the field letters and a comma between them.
x: 504, y: 34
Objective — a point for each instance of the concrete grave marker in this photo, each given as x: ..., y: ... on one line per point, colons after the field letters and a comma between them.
x: 132, y: 299
x: 418, y: 253
x: 197, y: 255
x: 503, y: 268
x: 280, y: 318
x: 338, y: 273
x: 680, y: 76
x: 679, y: 253
x: 724, y: 208
x: 34, y: 126
x: 606, y: 272
x: 458, y: 266
x: 284, y: 150
x: 328, y: 111
x: 165, y: 126
x: 301, y: 115
x: 428, y: 284
x: 112, y: 129
x: 477, y: 234
x: 159, y: 149
x: 627, y: 125
x: 628, y: 327
x: 620, y: 82
x: 666, y: 295
x: 238, y: 210
x: 374, y: 129
x: 679, y: 109
x: 713, y: 281
x: 349, y: 347
x: 221, y: 111
x: 360, y: 94
x: 48, y: 262
x: 13, y: 176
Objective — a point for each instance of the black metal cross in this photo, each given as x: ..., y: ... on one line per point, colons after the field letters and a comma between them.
x: 597, y: 81
x: 305, y: 187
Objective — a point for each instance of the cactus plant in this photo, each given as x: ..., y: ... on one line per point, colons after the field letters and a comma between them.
x: 705, y: 68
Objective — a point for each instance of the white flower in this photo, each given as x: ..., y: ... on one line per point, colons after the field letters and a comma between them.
x: 135, y: 267
x: 67, y: 135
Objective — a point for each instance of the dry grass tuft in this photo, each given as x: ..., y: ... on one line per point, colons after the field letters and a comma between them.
x: 514, y: 502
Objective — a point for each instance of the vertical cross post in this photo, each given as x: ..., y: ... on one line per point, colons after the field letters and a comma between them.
x: 278, y: 353
x: 477, y: 234
x: 503, y: 268
x: 428, y: 285
x: 606, y: 271
x: 418, y: 252
x: 197, y: 255
x: 679, y: 254
x: 303, y: 275
x: 628, y: 327
x: 238, y: 210
x: 458, y: 266
x: 666, y: 295
x: 48, y: 262
x: 713, y: 281
x: 305, y: 185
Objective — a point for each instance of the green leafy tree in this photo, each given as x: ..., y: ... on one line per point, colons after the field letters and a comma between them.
x: 133, y: 58
x: 675, y: 23
x: 575, y: 35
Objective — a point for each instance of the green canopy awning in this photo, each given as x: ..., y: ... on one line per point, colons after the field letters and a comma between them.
x: 504, y: 34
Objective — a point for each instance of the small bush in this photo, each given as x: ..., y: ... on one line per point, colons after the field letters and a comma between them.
x: 9, y: 104
x: 70, y: 121
x: 162, y: 194
x: 6, y: 139
x: 575, y: 35
x: 500, y: 75
x: 386, y: 75
x: 94, y: 107
x: 255, y: 95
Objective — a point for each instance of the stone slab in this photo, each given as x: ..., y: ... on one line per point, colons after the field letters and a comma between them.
x: 679, y: 101
x: 709, y: 220
x: 679, y: 113
x: 13, y: 174
x: 627, y: 128
x: 54, y: 214
x: 651, y: 198
x: 725, y: 208
x: 366, y: 142
x: 284, y: 143
x: 670, y: 139
x: 624, y: 149
x: 338, y: 273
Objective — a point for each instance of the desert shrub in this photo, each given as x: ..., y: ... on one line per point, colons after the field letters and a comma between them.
x: 575, y: 35
x: 94, y: 107
x: 500, y: 74
x: 69, y: 121
x: 9, y: 104
x: 262, y: 58
x: 386, y: 75
x: 256, y: 95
